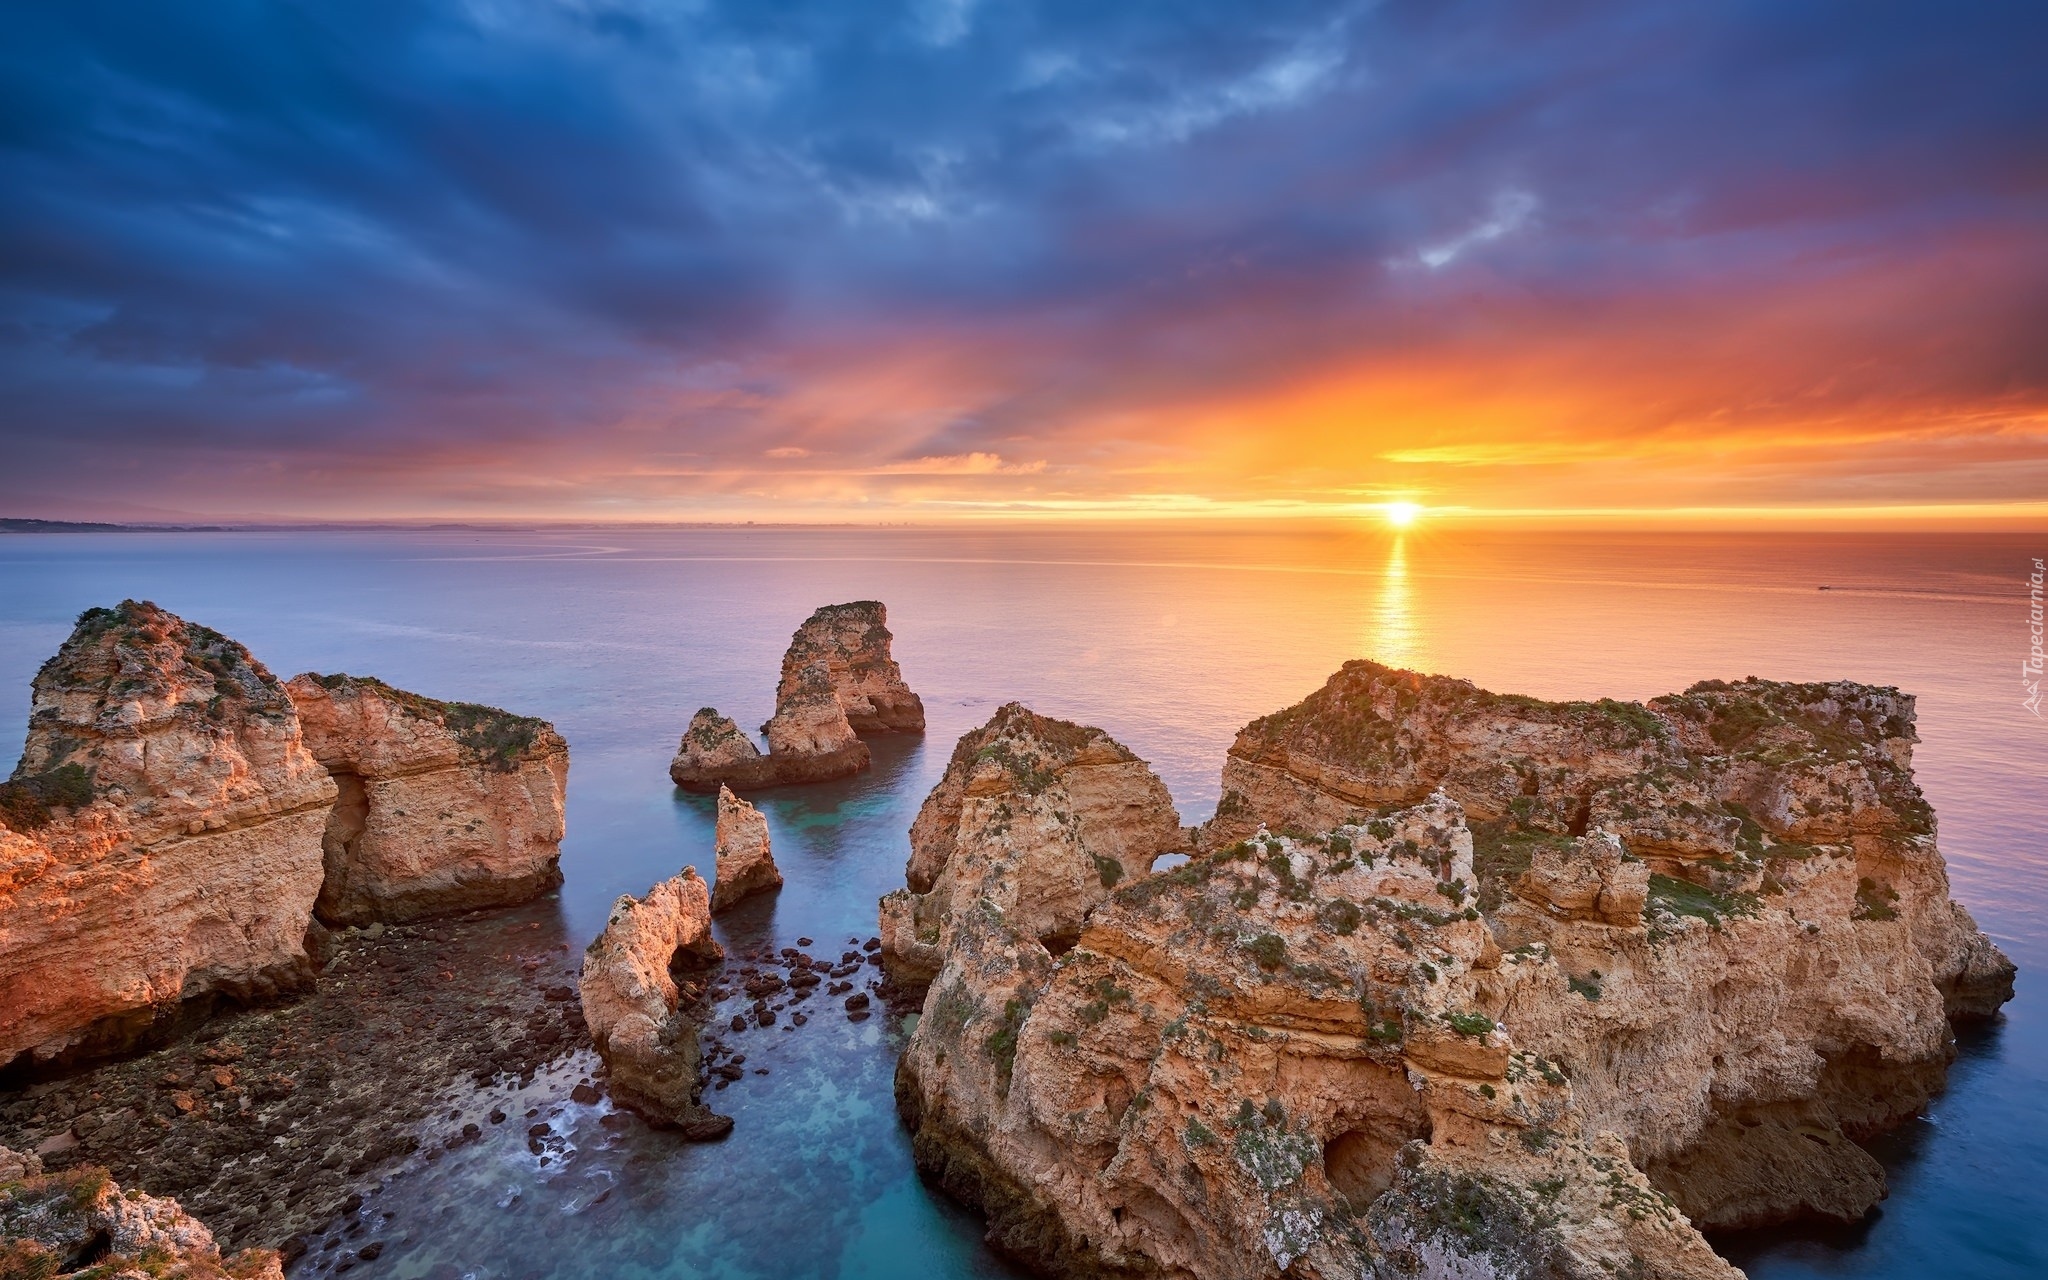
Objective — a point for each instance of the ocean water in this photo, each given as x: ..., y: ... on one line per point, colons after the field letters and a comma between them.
x: 1169, y: 639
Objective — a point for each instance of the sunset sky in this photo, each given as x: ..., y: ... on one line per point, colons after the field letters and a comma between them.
x: 819, y: 261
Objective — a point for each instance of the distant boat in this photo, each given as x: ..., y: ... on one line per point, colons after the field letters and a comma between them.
x: 1825, y: 587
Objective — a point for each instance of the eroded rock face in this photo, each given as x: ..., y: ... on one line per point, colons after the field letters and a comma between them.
x: 1274, y: 1059
x: 180, y: 859
x: 443, y: 806
x: 80, y: 1222
x: 1786, y: 985
x: 1684, y: 958
x: 1041, y: 817
x: 838, y: 681
x: 746, y: 865
x: 852, y: 644
x: 644, y: 1023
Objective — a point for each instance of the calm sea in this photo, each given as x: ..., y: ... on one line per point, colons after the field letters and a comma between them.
x: 1170, y: 640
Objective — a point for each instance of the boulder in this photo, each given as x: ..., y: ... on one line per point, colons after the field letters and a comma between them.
x: 746, y: 866
x: 443, y: 806
x: 79, y: 1222
x: 644, y: 1025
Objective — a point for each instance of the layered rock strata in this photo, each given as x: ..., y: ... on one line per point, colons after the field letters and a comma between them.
x: 168, y: 835
x: 644, y: 1023
x: 746, y: 865
x: 182, y: 860
x: 1683, y: 957
x: 81, y: 1223
x: 1040, y: 817
x: 838, y: 681
x: 443, y: 806
x: 1741, y: 1062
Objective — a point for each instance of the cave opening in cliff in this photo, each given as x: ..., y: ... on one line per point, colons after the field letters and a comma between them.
x: 346, y: 823
x: 1058, y: 944
x: 1360, y: 1163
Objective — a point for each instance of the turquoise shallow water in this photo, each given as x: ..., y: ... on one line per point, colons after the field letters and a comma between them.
x: 1170, y: 640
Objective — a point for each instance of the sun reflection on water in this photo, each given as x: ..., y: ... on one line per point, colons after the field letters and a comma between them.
x: 1394, y: 638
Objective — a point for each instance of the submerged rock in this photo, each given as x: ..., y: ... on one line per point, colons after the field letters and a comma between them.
x: 746, y: 866
x: 159, y: 843
x: 838, y: 681
x: 443, y: 806
x: 644, y: 1028
x: 1685, y: 955
x: 1043, y: 818
x: 80, y: 1222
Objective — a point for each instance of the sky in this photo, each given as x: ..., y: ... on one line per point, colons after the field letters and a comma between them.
x: 963, y: 259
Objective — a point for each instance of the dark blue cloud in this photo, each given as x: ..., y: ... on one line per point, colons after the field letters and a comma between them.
x: 276, y: 233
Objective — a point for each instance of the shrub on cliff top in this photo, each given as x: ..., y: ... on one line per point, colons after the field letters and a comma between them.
x: 25, y: 802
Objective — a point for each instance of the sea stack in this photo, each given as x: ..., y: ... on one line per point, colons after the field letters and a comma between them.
x: 644, y: 1024
x: 159, y: 841
x: 173, y: 828
x: 443, y: 806
x: 746, y: 865
x: 1461, y: 984
x: 839, y: 681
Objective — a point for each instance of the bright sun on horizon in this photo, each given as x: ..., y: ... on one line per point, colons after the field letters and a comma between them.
x: 1401, y: 514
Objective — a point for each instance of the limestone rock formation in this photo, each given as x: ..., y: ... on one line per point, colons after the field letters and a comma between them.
x: 746, y: 865
x: 1739, y: 1060
x: 80, y: 1223
x: 644, y: 1023
x: 1684, y: 956
x: 443, y: 807
x: 839, y: 681
x: 159, y: 843
x: 1042, y: 818
x: 852, y: 644
x: 1273, y: 1059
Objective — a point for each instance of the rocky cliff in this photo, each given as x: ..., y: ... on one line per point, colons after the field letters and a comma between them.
x: 644, y: 1022
x: 1741, y: 1060
x: 1683, y: 957
x: 443, y: 806
x: 1042, y: 818
x: 839, y: 681
x: 161, y: 838
x: 161, y: 842
x: 746, y: 865
x: 79, y: 1223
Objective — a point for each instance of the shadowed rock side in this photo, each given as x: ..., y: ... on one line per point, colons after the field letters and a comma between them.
x: 161, y: 838
x: 80, y: 1223
x: 444, y: 806
x: 838, y: 681
x: 644, y: 1024
x: 1042, y: 818
x: 746, y: 865
x: 1273, y: 1060
x: 1786, y: 988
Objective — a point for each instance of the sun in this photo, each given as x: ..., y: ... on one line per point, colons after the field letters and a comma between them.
x: 1401, y: 514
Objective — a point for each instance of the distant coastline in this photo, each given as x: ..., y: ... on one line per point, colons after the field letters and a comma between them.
x: 10, y: 524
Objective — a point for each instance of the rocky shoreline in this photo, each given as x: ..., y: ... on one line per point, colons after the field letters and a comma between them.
x: 268, y: 1121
